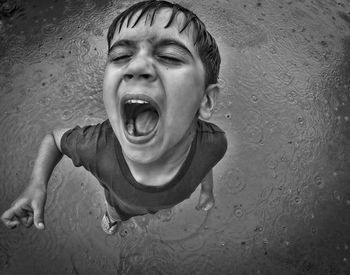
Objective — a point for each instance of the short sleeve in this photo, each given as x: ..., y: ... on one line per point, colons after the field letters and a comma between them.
x: 214, y: 140
x: 80, y: 144
x: 218, y: 147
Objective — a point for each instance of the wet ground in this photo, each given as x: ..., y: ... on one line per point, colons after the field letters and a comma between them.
x: 282, y: 190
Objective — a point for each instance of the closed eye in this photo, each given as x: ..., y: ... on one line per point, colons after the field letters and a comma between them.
x: 169, y: 58
x: 121, y: 58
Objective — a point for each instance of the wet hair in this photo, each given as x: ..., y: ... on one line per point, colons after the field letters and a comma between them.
x: 203, y: 41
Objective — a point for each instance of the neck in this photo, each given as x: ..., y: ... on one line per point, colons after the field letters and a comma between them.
x: 164, y: 169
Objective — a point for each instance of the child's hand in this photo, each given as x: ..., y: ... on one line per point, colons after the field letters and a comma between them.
x: 206, y: 201
x: 26, y: 209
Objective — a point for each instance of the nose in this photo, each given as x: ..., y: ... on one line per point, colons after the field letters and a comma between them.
x: 140, y: 67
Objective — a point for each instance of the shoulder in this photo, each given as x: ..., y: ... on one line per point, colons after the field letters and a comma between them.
x: 89, y: 131
x: 82, y: 144
x: 86, y: 137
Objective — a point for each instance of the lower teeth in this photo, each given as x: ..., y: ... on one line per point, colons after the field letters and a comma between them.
x: 130, y: 128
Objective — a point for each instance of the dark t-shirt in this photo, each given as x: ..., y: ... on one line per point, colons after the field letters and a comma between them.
x: 98, y: 150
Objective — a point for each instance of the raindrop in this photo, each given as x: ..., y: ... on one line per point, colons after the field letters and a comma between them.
x: 123, y: 233
x: 254, y: 98
x: 67, y: 114
x: 319, y: 182
x: 273, y: 50
x: 291, y: 97
x: 238, y: 212
x: 301, y: 120
x: 259, y: 229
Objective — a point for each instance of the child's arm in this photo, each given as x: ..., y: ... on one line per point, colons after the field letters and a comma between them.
x: 29, y: 206
x: 206, y: 197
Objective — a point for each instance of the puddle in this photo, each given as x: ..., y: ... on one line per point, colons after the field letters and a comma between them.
x: 282, y: 193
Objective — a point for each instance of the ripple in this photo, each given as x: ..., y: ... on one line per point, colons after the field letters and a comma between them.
x: 193, y: 244
x: 292, y: 97
x: 4, y: 258
x: 158, y: 264
x: 234, y: 181
x: 252, y: 117
x: 78, y: 47
x: 287, y: 127
x: 11, y: 240
x: 271, y: 161
x: 71, y: 74
x: 254, y: 134
x: 199, y: 263
x: 48, y: 29
x: 67, y: 114
x: 6, y: 65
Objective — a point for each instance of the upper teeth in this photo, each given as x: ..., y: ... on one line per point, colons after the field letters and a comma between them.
x: 138, y: 101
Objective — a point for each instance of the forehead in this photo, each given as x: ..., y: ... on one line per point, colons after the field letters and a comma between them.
x: 148, y: 28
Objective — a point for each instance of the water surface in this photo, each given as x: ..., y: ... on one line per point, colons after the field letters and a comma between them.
x: 282, y: 190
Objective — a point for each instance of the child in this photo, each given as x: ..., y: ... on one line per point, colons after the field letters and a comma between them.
x: 153, y: 151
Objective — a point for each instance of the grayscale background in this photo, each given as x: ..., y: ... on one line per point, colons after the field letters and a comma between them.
x: 282, y: 190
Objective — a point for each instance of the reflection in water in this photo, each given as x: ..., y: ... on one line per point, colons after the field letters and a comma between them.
x: 282, y: 194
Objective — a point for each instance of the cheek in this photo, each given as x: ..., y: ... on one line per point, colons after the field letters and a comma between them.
x: 110, y: 87
x: 110, y: 84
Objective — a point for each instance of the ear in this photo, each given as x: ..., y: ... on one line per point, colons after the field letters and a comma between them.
x: 208, y: 101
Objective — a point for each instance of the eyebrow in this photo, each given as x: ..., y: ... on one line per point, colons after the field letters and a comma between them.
x: 161, y: 43
x: 122, y: 43
x: 174, y: 42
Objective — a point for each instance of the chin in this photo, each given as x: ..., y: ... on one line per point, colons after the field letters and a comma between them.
x: 141, y: 156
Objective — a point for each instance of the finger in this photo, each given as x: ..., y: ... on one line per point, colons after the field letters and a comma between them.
x: 9, y: 219
x: 8, y: 215
x: 27, y: 221
x: 39, y: 216
x: 207, y: 207
x: 11, y: 224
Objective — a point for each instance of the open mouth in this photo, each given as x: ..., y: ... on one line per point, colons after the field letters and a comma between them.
x: 140, y: 116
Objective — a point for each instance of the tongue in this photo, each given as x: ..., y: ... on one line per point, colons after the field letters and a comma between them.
x: 145, y: 122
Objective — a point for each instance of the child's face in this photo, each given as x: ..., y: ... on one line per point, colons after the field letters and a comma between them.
x: 153, y: 87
